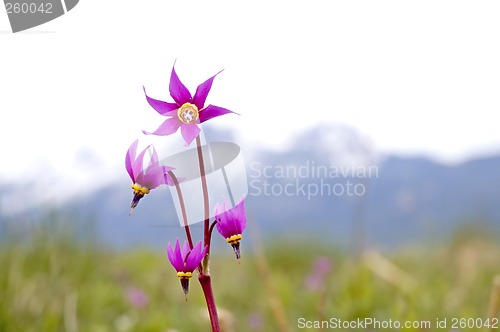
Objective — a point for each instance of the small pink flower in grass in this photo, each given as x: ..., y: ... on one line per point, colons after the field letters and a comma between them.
x: 231, y: 223
x: 137, y: 297
x: 145, y: 179
x: 185, y: 261
x: 255, y: 321
x: 316, y: 280
x: 187, y: 112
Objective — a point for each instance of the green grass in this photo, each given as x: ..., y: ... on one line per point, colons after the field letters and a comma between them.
x: 51, y: 281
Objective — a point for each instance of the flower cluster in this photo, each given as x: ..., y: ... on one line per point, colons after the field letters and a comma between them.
x: 186, y: 112
x: 230, y: 224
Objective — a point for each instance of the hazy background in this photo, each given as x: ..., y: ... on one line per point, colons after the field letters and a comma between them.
x: 413, y: 78
x: 348, y: 83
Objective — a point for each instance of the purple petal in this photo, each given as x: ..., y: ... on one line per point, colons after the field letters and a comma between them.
x: 174, y: 256
x: 212, y: 111
x: 154, y: 177
x: 153, y: 161
x: 239, y: 211
x: 203, y: 253
x: 168, y: 127
x: 154, y: 157
x: 138, y: 167
x: 129, y: 159
x: 178, y: 91
x: 220, y: 208
x: 178, y: 261
x: 224, y: 224
x: 221, y: 228
x: 195, y: 257
x: 227, y: 227
x: 223, y: 210
x: 185, y: 250
x: 193, y: 260
x: 217, y: 209
x: 232, y: 221
x: 189, y: 132
x: 162, y: 107
x: 167, y: 178
x: 202, y: 92
x: 170, y: 253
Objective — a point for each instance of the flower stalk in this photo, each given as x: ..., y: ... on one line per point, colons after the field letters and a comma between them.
x: 204, y: 277
x: 206, y: 285
x: 183, y: 208
x: 204, y: 188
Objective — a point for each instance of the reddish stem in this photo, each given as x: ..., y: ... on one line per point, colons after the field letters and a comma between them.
x: 212, y: 228
x: 206, y: 285
x: 183, y: 208
x: 204, y: 277
x: 206, y: 207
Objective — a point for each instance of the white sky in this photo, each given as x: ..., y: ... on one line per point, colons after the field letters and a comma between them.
x: 413, y: 76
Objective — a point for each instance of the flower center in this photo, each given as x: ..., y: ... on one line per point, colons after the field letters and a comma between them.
x: 138, y: 189
x: 234, y: 239
x: 188, y: 113
x: 184, y: 275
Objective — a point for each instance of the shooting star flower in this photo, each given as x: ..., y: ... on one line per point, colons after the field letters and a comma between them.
x: 187, y: 112
x: 231, y: 223
x: 185, y: 260
x: 145, y: 179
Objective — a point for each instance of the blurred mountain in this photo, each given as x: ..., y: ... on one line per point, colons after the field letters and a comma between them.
x: 330, y: 185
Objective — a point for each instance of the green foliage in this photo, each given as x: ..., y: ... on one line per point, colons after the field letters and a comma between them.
x: 50, y: 281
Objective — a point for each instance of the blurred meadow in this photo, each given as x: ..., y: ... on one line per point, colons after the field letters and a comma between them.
x: 53, y: 278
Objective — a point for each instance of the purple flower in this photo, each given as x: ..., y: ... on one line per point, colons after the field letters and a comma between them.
x: 187, y: 111
x: 255, y: 321
x: 317, y: 279
x: 185, y: 260
x: 137, y: 297
x: 231, y: 223
x: 144, y: 180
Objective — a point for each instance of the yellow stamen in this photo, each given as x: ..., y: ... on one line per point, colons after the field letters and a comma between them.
x: 188, y: 113
x: 234, y: 239
x: 138, y: 189
x: 184, y: 275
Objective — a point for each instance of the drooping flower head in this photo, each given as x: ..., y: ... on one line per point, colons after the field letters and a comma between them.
x: 148, y: 178
x: 231, y: 223
x: 185, y: 260
x: 187, y: 111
